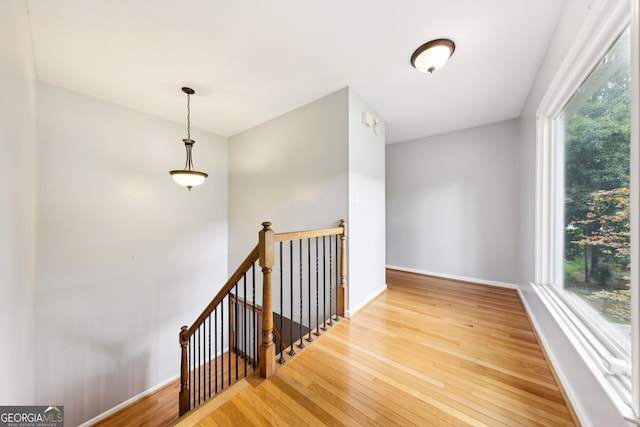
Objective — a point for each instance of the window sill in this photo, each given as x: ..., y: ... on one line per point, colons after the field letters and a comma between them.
x: 594, y: 393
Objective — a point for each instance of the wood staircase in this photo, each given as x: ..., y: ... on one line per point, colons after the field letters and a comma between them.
x: 302, y: 287
x: 254, y: 400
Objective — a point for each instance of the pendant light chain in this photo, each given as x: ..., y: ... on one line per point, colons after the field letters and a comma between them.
x: 188, y: 116
x: 189, y: 145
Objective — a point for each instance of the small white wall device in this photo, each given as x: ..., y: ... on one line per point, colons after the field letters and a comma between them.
x: 369, y: 121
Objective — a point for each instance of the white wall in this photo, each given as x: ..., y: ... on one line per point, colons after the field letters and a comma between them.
x: 291, y: 171
x: 590, y: 401
x: 17, y: 207
x: 452, y: 203
x: 126, y: 256
x: 366, y: 227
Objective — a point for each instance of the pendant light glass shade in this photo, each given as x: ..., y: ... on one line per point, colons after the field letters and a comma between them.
x: 188, y: 177
x: 432, y: 55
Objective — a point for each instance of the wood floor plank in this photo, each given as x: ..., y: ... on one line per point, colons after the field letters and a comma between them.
x: 470, y: 357
x: 159, y: 408
x: 453, y: 384
x: 217, y: 418
x: 343, y: 389
x: 281, y: 412
x: 323, y: 397
x: 337, y: 397
x: 407, y: 405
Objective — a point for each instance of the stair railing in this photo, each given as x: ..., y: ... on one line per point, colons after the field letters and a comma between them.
x: 310, y: 292
x: 235, y: 328
x: 204, y: 369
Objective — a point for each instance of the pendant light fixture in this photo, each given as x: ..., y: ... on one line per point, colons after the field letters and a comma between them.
x: 188, y: 177
x: 432, y: 55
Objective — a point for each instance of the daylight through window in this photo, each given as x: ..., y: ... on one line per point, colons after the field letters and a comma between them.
x: 596, y: 196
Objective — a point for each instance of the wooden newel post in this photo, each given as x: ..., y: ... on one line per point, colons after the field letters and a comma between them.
x: 266, y: 256
x: 343, y: 268
x: 183, y: 405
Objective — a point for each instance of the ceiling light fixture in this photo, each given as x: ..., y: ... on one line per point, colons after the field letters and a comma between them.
x: 432, y: 55
x: 188, y: 177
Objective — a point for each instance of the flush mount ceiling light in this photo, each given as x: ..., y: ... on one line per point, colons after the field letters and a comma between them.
x: 432, y: 55
x: 188, y: 177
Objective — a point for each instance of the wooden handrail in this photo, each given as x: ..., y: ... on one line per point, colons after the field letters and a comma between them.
x: 295, y: 235
x: 235, y: 277
x: 186, y: 332
x: 242, y: 302
x: 254, y: 256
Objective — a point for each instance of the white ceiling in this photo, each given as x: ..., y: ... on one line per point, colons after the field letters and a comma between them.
x: 252, y: 60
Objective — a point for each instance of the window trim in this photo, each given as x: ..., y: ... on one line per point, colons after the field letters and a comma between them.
x: 603, y: 26
x: 635, y: 201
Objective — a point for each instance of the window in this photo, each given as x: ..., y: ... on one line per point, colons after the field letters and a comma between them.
x: 596, y: 125
x: 584, y: 205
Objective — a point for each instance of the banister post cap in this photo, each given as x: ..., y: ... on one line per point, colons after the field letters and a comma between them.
x: 266, y: 225
x: 183, y: 332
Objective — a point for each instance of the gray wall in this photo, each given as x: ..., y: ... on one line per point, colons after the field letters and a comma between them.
x: 291, y: 171
x: 452, y: 203
x: 301, y: 171
x: 17, y: 207
x: 366, y: 206
x: 125, y: 255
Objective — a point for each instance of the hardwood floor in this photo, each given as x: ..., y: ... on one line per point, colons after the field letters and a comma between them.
x: 428, y: 352
x: 157, y: 409
x: 161, y: 407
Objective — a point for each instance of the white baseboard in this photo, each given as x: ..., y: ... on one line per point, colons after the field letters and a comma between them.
x: 138, y: 397
x: 126, y: 403
x: 353, y: 310
x: 453, y: 277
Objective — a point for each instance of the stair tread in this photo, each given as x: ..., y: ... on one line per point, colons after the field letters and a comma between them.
x: 198, y: 414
